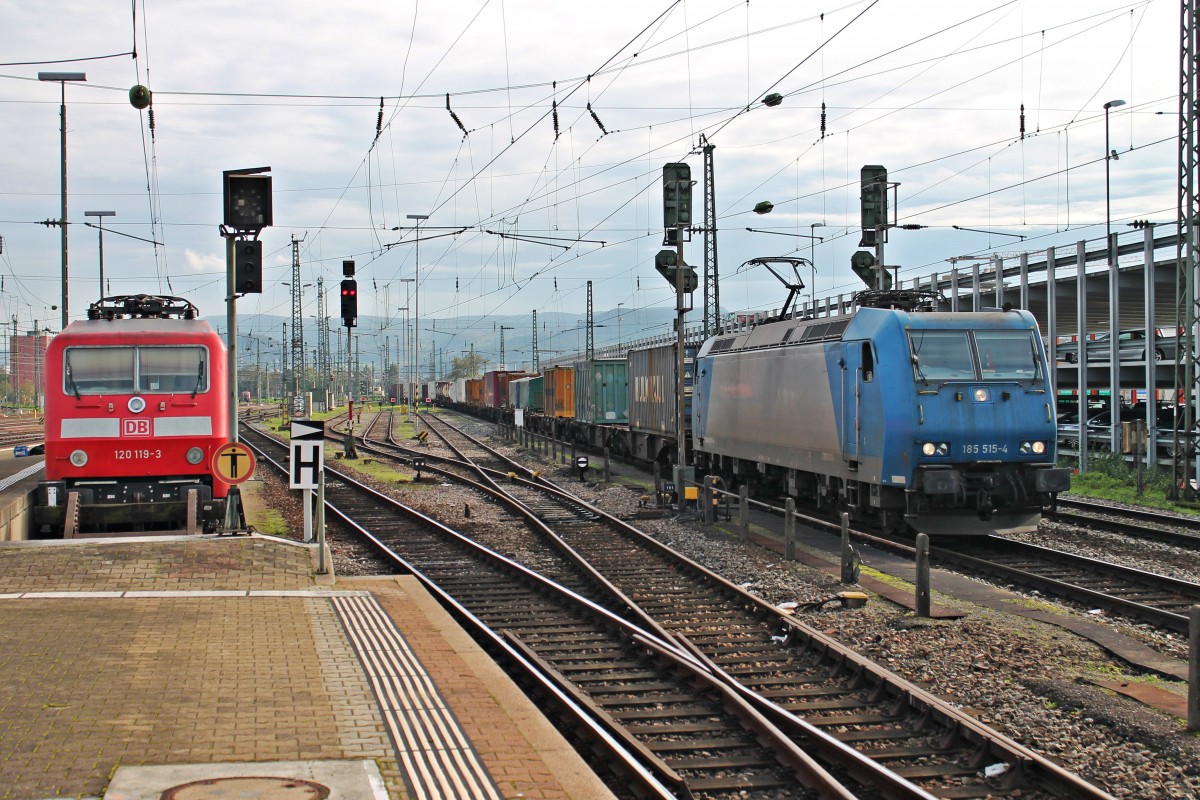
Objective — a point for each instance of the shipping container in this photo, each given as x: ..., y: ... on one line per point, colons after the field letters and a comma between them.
x: 495, y: 386
x: 458, y: 390
x: 558, y: 392
x: 526, y: 393
x: 475, y: 391
x: 601, y: 391
x: 652, y: 388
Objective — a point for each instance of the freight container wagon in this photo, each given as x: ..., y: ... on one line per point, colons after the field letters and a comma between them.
x: 495, y: 386
x: 601, y: 392
x: 474, y: 393
x: 558, y: 392
x: 526, y: 393
x: 652, y: 408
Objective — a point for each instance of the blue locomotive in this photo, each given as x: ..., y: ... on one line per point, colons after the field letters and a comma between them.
x: 943, y: 420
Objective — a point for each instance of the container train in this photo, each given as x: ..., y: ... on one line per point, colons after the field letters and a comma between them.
x: 940, y: 421
x: 137, y: 404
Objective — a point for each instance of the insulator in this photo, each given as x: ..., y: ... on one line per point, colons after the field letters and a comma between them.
x: 554, y: 109
x: 1022, y: 120
x: 822, y: 120
x: 599, y: 124
x: 150, y: 116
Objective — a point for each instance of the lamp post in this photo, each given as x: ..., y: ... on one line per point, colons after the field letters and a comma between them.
x: 812, y: 262
x: 62, y: 78
x: 1114, y: 315
x: 100, y: 215
x: 408, y: 359
x: 620, y: 342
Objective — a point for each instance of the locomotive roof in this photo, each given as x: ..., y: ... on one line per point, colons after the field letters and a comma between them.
x: 126, y: 326
x: 864, y: 323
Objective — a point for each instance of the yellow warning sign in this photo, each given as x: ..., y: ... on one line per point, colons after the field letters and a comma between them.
x: 233, y: 463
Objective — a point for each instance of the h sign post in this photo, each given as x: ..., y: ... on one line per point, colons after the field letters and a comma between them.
x: 307, y: 465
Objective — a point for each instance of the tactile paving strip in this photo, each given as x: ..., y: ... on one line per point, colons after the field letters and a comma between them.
x: 436, y: 754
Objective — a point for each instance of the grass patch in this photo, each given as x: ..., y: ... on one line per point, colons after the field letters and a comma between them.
x: 1110, y: 477
x: 270, y: 522
x: 1038, y: 605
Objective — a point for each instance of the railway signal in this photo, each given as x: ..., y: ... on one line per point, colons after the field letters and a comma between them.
x: 349, y: 296
x: 247, y: 265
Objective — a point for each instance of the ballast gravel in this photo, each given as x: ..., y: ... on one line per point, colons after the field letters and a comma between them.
x: 1027, y: 679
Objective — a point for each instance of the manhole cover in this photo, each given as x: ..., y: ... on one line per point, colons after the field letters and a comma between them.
x: 249, y: 788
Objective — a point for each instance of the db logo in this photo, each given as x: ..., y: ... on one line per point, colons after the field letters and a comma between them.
x: 135, y: 427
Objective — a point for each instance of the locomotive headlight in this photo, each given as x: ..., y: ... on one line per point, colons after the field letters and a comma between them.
x: 137, y: 404
x: 929, y: 448
x: 79, y: 458
x: 195, y: 455
x: 981, y: 396
x: 935, y: 448
x: 1037, y: 448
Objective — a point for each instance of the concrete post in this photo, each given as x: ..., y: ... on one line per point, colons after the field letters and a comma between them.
x: 1193, y: 722
x: 789, y: 529
x: 847, y: 551
x: 922, y: 574
x: 744, y: 512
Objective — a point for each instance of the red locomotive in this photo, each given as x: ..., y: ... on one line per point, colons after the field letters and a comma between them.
x: 136, y: 405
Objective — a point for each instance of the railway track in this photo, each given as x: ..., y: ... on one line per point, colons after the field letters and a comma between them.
x: 1146, y: 596
x: 806, y: 681
x: 1172, y: 529
x: 678, y: 722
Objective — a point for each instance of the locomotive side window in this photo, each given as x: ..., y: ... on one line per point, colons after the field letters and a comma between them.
x: 868, y: 363
x: 99, y: 370
x: 1008, y: 355
x: 941, y: 355
x: 166, y: 370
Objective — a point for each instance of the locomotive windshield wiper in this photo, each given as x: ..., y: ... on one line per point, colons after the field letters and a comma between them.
x: 920, y: 372
x: 70, y: 377
x: 199, y: 379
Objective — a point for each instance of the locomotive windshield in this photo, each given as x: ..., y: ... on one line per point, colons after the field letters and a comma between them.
x: 989, y: 355
x: 135, y: 370
x: 1008, y: 355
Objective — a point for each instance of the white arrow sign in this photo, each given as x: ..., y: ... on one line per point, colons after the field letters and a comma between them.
x: 303, y: 429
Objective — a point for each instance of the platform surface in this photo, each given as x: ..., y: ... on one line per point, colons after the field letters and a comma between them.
x: 206, y: 652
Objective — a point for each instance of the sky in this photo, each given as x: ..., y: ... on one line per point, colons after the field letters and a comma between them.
x: 541, y: 195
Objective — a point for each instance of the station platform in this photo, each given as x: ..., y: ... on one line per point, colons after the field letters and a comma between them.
x: 205, y: 667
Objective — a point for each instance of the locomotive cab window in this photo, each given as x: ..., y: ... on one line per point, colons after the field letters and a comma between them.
x: 130, y: 370
x: 1008, y: 355
x: 98, y: 370
x: 941, y: 355
x: 167, y: 370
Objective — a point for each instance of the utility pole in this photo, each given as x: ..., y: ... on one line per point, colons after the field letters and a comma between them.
x: 712, y: 295
x: 503, y: 361
x: 297, y: 323
x: 590, y: 343
x: 535, y: 343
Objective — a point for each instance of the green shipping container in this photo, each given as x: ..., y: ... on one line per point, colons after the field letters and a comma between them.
x: 602, y: 391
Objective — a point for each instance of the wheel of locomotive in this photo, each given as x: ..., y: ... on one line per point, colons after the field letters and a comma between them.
x: 891, y: 521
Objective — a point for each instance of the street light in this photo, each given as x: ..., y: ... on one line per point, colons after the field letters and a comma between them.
x: 1114, y: 316
x: 408, y: 350
x: 101, y: 215
x: 62, y: 78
